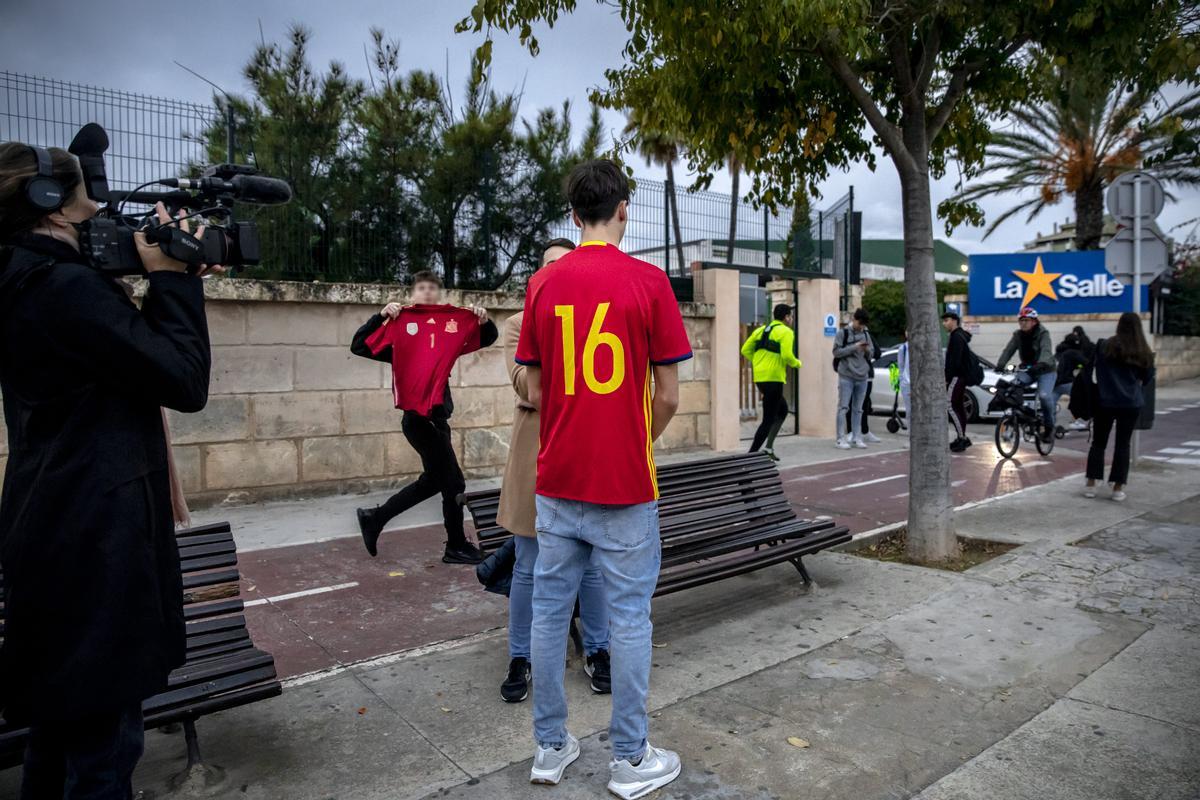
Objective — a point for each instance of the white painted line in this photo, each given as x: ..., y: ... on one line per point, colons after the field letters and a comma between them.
x: 305, y: 593
x: 1175, y: 408
x: 1193, y: 462
x: 1156, y: 458
x: 1161, y: 413
x: 898, y: 496
x: 1191, y: 444
x: 822, y: 475
x: 956, y: 484
x: 1175, y: 451
x: 869, y: 483
x: 1023, y: 464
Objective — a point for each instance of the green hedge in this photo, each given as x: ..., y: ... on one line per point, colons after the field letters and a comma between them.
x: 884, y: 301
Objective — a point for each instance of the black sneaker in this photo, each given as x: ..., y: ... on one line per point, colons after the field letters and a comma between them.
x: 598, y: 669
x: 465, y: 553
x: 965, y: 443
x: 957, y: 446
x: 770, y: 454
x: 516, y: 686
x: 370, y: 530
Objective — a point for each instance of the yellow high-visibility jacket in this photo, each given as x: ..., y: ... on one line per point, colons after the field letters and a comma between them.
x: 771, y: 367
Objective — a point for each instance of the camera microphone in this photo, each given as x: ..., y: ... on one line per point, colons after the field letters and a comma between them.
x: 254, y: 189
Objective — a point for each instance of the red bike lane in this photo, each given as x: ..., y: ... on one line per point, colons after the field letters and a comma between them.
x: 318, y: 606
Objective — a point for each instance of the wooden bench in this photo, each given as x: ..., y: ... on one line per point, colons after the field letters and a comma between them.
x: 718, y: 517
x: 223, y: 670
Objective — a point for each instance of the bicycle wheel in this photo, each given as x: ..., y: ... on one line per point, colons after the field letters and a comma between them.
x: 1045, y: 444
x: 1008, y: 436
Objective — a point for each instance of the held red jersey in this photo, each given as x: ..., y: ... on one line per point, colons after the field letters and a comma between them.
x: 425, y: 340
x: 595, y: 321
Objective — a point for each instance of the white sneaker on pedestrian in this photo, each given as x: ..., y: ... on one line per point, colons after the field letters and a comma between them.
x: 1118, y: 496
x: 1089, y: 492
x: 872, y: 438
x: 657, y: 768
x: 1078, y: 425
x: 550, y: 764
x: 859, y: 443
x: 842, y: 444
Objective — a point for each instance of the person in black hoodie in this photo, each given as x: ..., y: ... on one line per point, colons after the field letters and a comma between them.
x: 958, y: 352
x: 1071, y: 358
x: 92, y: 587
x: 1124, y: 364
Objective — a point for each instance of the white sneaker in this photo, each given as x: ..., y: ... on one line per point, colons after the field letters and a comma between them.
x: 1118, y: 496
x: 549, y: 764
x: 1078, y: 425
x: 1089, y: 492
x: 657, y: 768
x: 872, y: 438
x: 859, y: 443
x: 842, y: 444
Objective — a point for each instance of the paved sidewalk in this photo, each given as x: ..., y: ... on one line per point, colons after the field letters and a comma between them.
x: 1064, y: 669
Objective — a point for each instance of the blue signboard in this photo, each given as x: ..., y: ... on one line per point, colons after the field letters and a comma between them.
x: 1052, y: 283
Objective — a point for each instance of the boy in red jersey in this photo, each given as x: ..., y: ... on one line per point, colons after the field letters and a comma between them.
x: 597, y: 323
x: 422, y: 341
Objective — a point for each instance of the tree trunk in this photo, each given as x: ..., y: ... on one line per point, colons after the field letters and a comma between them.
x: 735, y: 173
x: 674, y: 199
x: 1089, y: 216
x: 449, y: 263
x: 930, y: 504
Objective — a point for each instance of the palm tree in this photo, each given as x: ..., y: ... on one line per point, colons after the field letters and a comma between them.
x: 1078, y: 141
x: 659, y: 147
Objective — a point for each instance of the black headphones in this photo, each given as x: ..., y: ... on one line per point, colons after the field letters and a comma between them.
x: 43, y: 190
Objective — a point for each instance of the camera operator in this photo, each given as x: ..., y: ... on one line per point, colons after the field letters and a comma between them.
x: 93, y: 592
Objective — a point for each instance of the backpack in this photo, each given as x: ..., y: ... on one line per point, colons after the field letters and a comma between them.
x: 765, y: 343
x: 1085, y: 397
x: 974, y: 375
x: 837, y: 359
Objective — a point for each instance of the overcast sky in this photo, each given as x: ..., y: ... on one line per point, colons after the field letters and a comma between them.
x: 131, y: 47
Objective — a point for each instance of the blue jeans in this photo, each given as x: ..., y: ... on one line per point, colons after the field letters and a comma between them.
x: 1045, y: 392
x: 624, y: 542
x: 593, y: 610
x: 851, y: 394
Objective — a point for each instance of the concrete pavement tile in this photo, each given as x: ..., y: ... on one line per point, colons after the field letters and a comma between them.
x: 1158, y: 590
x: 1144, y: 538
x: 1077, y: 751
x: 706, y: 637
x: 1157, y: 676
x: 309, y: 744
x: 991, y: 638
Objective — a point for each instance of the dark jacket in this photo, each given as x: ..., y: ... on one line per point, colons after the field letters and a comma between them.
x: 1119, y: 385
x: 358, y: 345
x: 958, y: 354
x: 93, y: 594
x: 1069, y: 362
x: 1039, y: 355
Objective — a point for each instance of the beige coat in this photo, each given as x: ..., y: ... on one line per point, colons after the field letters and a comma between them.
x: 517, y: 509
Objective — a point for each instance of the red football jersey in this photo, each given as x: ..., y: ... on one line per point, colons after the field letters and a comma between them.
x: 595, y: 320
x: 425, y: 342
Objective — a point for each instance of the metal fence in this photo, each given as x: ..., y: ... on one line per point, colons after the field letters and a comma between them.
x: 154, y: 137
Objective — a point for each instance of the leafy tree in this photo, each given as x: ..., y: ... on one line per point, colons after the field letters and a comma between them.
x: 794, y: 89
x: 802, y: 247
x: 1182, y: 306
x: 884, y: 301
x: 389, y: 174
x: 1088, y: 130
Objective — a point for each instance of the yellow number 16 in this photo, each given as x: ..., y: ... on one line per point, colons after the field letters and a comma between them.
x: 596, y: 338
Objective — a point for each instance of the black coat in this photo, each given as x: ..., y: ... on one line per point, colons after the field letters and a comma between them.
x: 93, y: 594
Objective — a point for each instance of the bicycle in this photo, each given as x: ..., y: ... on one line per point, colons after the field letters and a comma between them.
x: 1021, y: 420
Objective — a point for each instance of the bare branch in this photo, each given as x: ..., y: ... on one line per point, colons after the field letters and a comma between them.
x: 889, y: 133
x: 958, y: 84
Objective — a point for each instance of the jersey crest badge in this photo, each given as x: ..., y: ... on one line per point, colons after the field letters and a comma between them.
x: 452, y: 326
x: 412, y: 328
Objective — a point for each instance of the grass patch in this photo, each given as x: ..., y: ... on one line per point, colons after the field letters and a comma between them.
x: 973, y: 552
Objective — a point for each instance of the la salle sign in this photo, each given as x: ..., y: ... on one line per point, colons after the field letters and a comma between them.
x: 1052, y: 283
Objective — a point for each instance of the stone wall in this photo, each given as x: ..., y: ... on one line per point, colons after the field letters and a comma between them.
x: 292, y: 412
x: 1177, y: 357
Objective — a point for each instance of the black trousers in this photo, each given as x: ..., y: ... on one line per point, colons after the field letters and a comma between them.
x: 774, y: 412
x: 430, y: 437
x: 85, y: 759
x: 956, y: 395
x: 866, y: 411
x: 1102, y: 423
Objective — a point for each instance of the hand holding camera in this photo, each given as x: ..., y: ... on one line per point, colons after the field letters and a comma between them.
x: 155, y: 259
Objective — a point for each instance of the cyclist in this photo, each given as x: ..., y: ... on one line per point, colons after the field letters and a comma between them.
x: 1031, y: 343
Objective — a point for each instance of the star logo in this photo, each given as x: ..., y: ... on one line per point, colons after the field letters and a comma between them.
x: 1038, y: 283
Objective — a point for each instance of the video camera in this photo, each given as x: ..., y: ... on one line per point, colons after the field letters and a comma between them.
x: 106, y: 240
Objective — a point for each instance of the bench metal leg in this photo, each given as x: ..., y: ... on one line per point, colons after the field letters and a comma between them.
x: 193, y: 744
x: 798, y: 563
